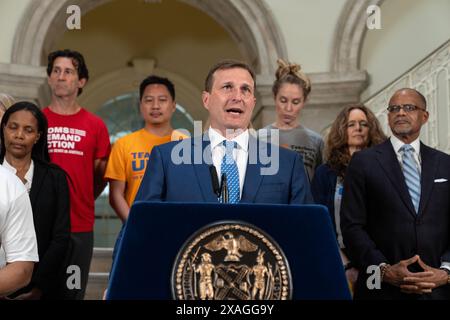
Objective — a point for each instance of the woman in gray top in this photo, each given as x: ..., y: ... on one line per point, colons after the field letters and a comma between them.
x: 290, y: 90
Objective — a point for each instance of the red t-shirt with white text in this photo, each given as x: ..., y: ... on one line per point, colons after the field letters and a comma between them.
x: 74, y: 142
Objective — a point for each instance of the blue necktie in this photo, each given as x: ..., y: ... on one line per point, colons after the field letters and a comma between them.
x: 411, y: 173
x: 229, y: 167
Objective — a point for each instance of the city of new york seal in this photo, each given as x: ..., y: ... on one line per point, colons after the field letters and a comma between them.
x: 231, y: 260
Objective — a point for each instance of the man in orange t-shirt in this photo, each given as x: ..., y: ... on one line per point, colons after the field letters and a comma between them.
x: 129, y: 155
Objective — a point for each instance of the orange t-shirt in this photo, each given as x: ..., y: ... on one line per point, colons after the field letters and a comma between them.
x: 129, y: 156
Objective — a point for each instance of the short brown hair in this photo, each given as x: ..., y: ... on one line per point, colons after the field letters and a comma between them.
x: 225, y: 65
x: 77, y: 61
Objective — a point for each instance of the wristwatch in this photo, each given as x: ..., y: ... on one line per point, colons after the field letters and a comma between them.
x: 448, y: 274
x: 383, y: 268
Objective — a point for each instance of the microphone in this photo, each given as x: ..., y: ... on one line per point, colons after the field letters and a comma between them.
x: 215, y: 181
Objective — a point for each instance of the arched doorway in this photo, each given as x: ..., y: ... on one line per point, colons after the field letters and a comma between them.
x: 259, y: 40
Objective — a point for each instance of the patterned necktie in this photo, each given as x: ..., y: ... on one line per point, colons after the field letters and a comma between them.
x: 411, y: 173
x: 230, y: 168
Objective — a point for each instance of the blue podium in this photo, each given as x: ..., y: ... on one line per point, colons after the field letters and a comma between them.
x: 155, y: 233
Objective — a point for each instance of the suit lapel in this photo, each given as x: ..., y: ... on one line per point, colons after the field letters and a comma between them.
x: 38, y: 178
x: 201, y: 167
x: 253, y: 177
x: 389, y: 162
x: 429, y: 166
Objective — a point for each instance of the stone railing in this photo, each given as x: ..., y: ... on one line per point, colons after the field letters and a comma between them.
x: 431, y: 77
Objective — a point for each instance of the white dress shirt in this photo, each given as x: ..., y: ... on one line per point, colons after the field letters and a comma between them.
x: 240, y: 154
x: 397, y: 144
x: 17, y: 235
x: 28, y: 176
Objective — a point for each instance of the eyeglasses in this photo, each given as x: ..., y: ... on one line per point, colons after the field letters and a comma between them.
x: 362, y: 124
x: 404, y: 107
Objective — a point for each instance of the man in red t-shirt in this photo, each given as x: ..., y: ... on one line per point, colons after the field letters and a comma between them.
x: 78, y: 142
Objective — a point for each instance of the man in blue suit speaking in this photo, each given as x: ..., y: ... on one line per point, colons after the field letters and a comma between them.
x: 227, y: 163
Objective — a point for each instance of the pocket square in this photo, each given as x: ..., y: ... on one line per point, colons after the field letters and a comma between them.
x: 440, y: 180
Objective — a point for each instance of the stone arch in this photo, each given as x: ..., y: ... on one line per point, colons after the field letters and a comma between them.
x: 250, y: 24
x: 349, y: 36
x: 128, y: 79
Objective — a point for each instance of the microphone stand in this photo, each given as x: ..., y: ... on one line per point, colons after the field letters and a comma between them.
x: 221, y: 191
x: 224, y: 188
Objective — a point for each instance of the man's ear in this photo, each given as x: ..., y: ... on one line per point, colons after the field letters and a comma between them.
x: 205, y: 99
x: 425, y: 117
x: 82, y: 83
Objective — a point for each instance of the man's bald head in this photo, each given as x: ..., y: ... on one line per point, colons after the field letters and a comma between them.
x: 406, y: 91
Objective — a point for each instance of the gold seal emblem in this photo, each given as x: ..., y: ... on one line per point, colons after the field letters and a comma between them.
x: 231, y: 261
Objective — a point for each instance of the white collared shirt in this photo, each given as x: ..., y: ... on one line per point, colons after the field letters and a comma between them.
x: 17, y: 235
x: 28, y: 176
x: 397, y: 144
x: 240, y: 154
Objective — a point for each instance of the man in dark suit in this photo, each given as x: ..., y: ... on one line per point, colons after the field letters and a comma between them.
x: 182, y: 171
x: 396, y: 210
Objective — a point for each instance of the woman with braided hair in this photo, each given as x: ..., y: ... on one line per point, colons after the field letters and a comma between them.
x: 290, y: 91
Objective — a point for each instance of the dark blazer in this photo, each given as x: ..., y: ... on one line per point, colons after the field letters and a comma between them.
x: 323, y: 188
x: 378, y: 219
x: 165, y: 180
x: 49, y: 197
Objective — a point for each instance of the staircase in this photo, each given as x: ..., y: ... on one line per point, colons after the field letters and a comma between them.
x: 99, y: 273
